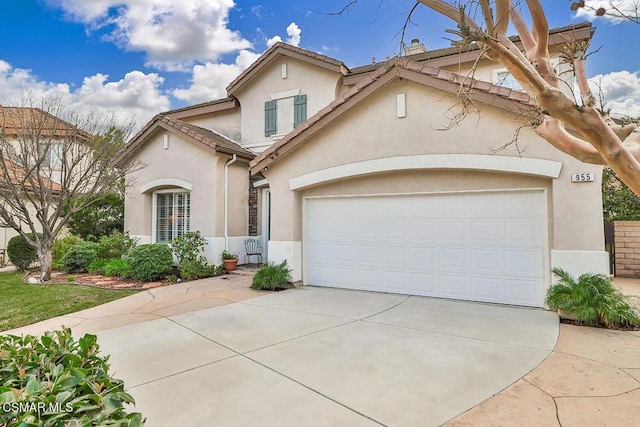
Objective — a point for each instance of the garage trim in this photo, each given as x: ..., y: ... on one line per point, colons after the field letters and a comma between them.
x: 493, y: 163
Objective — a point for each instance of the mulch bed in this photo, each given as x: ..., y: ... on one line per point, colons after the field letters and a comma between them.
x: 601, y: 326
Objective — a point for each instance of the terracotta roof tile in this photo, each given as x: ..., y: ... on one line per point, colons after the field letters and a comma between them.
x: 18, y: 175
x: 16, y: 121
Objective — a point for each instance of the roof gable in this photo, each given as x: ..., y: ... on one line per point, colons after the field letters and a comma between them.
x: 195, y: 134
x: 398, y: 68
x: 22, y: 121
x: 283, y: 49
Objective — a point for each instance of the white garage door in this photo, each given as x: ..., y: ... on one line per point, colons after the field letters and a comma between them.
x: 472, y: 246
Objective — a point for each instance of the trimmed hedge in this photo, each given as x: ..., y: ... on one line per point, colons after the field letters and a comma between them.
x: 20, y: 253
x: 150, y: 262
x: 79, y: 257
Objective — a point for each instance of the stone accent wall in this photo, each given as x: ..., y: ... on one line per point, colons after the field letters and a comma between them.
x: 627, y: 247
x: 253, y: 205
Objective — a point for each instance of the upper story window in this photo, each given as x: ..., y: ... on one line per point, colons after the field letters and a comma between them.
x: 282, y: 115
x: 173, y: 215
x: 504, y: 78
x: 51, y: 155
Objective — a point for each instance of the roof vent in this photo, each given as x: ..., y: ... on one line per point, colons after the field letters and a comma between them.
x: 415, y: 47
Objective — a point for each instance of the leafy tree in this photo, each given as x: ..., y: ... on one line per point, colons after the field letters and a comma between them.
x: 618, y: 201
x: 102, y: 217
x: 53, y: 164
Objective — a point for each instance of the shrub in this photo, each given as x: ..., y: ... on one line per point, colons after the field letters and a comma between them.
x: 189, y: 246
x: 194, y: 269
x: 150, y: 262
x: 66, y: 376
x: 97, y: 266
x: 592, y: 299
x: 115, y: 245
x: 20, y: 253
x: 272, y: 277
x: 60, y: 249
x: 79, y: 257
x: 117, y: 267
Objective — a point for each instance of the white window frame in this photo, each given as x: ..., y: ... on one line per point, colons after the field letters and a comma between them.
x: 497, y: 72
x: 52, y: 160
x: 154, y: 213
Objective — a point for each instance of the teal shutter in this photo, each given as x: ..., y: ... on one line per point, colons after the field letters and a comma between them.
x: 270, y: 118
x: 299, y: 110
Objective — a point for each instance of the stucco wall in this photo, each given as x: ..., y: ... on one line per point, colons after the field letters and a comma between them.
x: 183, y: 161
x: 317, y: 83
x: 224, y: 122
x: 371, y: 131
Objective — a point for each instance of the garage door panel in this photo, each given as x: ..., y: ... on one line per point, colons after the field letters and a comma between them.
x: 523, y: 262
x: 474, y: 246
x: 453, y: 286
x: 487, y: 261
x: 487, y: 288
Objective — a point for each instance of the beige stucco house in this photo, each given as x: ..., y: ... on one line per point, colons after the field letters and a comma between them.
x: 364, y: 178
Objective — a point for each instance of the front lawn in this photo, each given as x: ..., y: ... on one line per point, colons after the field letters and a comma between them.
x: 22, y: 304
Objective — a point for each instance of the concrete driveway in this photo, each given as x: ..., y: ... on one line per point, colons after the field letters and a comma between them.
x: 327, y: 357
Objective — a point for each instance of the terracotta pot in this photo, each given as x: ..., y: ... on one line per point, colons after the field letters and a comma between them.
x: 230, y: 264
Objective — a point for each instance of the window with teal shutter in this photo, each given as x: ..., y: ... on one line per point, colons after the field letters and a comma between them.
x: 270, y: 118
x: 299, y: 109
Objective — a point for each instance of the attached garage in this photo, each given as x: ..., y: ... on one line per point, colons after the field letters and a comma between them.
x: 477, y: 246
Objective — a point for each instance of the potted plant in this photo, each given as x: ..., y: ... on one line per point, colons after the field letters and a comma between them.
x: 230, y: 260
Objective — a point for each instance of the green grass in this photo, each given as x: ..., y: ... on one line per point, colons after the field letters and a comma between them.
x: 22, y: 304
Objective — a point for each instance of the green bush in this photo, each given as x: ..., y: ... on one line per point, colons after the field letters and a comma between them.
x: 61, y: 247
x: 194, y: 269
x: 97, y: 266
x: 592, y: 299
x: 117, y: 267
x: 150, y: 262
x: 114, y: 246
x: 272, y: 277
x: 189, y: 247
x: 79, y: 257
x: 20, y: 253
x: 66, y: 377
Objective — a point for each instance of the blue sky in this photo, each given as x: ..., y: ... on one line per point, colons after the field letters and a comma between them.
x: 141, y: 57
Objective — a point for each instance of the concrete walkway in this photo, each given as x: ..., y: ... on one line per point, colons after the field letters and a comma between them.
x: 313, y: 363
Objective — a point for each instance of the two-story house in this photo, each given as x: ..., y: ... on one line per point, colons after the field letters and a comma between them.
x: 365, y: 177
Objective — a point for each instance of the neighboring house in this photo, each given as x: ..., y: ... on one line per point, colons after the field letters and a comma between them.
x: 365, y: 179
x: 22, y: 129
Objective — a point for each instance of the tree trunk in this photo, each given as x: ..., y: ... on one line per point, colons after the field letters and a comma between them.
x: 44, y: 256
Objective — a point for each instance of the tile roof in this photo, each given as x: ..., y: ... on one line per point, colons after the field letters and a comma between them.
x: 207, y: 137
x: 18, y: 176
x: 481, y: 91
x: 14, y: 120
x: 457, y: 50
x: 285, y: 49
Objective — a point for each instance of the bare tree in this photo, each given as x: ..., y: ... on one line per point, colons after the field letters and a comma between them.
x: 593, y: 137
x: 615, y: 10
x: 51, y: 167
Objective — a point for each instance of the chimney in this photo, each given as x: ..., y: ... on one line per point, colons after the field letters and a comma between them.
x: 415, y: 47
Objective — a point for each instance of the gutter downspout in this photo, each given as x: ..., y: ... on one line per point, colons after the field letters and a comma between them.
x: 226, y: 200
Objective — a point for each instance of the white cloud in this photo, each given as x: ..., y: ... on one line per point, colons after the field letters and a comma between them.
x: 620, y: 91
x: 293, y: 31
x: 136, y: 96
x: 616, y: 10
x: 210, y: 80
x: 173, y: 34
